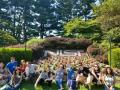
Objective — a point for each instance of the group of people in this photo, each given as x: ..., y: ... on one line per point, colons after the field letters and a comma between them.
x: 12, y: 74
x: 76, y: 71
x: 59, y: 69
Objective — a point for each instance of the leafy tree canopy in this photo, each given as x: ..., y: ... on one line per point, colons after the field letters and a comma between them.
x: 108, y: 15
x: 82, y: 29
x: 6, y: 39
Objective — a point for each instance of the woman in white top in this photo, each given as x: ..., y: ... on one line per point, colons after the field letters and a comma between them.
x: 109, y: 79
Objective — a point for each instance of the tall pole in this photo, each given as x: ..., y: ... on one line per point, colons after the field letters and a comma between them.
x: 110, y: 50
x: 24, y: 25
x: 25, y: 45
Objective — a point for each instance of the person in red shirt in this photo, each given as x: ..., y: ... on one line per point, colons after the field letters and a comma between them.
x: 22, y: 66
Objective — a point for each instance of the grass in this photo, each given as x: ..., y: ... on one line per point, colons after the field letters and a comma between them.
x: 30, y: 86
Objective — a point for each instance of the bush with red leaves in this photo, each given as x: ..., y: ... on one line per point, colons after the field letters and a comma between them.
x: 98, y: 53
x: 66, y: 43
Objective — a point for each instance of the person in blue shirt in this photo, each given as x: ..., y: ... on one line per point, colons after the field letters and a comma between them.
x: 70, y: 75
x: 12, y: 65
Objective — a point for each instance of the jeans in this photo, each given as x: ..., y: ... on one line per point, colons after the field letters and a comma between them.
x: 59, y: 83
x: 108, y: 89
x: 69, y: 83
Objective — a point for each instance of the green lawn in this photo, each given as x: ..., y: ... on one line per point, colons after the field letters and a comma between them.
x: 30, y: 86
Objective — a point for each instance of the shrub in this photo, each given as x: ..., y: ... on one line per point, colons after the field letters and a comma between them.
x: 16, y: 46
x: 115, y: 57
x: 19, y: 53
x: 59, y: 43
x: 6, y: 39
x: 66, y: 43
x: 35, y: 41
x: 37, y: 52
x: 39, y: 45
x: 98, y: 53
x: 93, y: 50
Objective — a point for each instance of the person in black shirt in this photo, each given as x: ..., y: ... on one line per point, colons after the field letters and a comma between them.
x: 49, y: 77
x: 82, y: 75
x: 96, y: 74
x: 84, y: 71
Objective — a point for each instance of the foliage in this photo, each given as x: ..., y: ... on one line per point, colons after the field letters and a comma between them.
x: 39, y: 45
x: 108, y: 15
x: 25, y: 19
x: 66, y: 43
x: 93, y: 50
x: 115, y: 57
x: 19, y: 53
x: 115, y: 34
x: 38, y: 52
x: 106, y: 44
x: 99, y: 53
x: 34, y: 41
x: 6, y: 39
x: 17, y: 46
x: 79, y: 28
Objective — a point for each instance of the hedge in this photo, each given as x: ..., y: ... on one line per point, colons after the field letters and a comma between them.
x: 19, y: 53
x: 57, y: 43
x: 34, y: 41
x: 65, y: 43
x: 38, y: 52
x: 115, y: 57
x: 38, y: 46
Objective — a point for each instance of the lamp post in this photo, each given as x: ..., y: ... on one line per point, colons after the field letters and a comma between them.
x: 110, y: 49
x: 25, y: 45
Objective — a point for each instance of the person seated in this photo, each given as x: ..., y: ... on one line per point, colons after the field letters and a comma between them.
x: 12, y: 65
x: 109, y: 79
x: 30, y: 70
x: 59, y: 77
x: 82, y: 75
x: 3, y: 74
x: 49, y: 78
x: 42, y: 77
x: 14, y: 83
x: 102, y: 74
x: 70, y: 75
x: 71, y: 80
x: 73, y: 83
x: 22, y: 66
x: 2, y: 70
x: 96, y: 74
